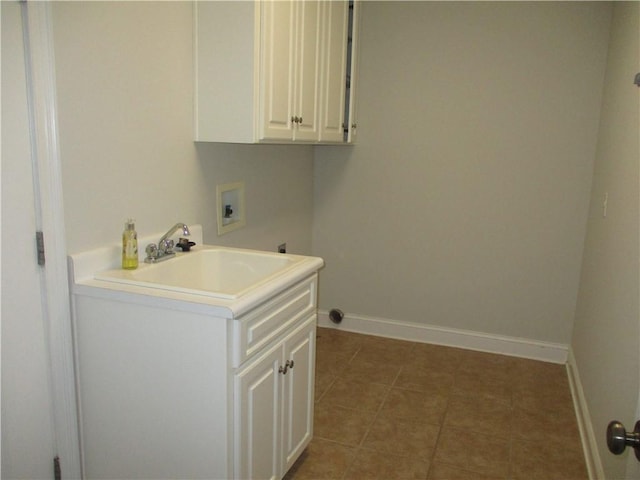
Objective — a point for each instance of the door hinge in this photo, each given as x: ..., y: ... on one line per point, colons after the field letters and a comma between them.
x: 57, y: 470
x: 40, y: 247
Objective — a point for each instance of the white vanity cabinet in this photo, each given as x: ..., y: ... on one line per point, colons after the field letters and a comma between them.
x: 174, y: 385
x: 274, y: 71
x: 274, y: 388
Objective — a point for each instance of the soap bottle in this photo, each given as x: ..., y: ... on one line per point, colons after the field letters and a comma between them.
x: 129, y: 246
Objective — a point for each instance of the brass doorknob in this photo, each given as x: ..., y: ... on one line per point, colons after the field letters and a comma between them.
x: 618, y: 439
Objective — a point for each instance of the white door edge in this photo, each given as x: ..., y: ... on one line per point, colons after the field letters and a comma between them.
x: 40, y: 60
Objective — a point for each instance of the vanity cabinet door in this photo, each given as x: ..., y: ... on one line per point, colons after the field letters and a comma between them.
x: 274, y: 408
x: 298, y: 398
x: 257, y: 389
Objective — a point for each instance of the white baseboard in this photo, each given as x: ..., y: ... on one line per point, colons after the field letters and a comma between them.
x: 587, y: 435
x: 513, y: 346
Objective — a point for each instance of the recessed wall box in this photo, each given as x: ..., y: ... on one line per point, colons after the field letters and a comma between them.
x: 230, y: 207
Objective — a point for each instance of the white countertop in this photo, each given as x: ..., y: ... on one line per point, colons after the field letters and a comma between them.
x: 83, y: 267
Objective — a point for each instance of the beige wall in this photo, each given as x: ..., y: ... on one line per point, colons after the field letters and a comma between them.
x: 125, y: 94
x: 464, y: 203
x: 607, y: 331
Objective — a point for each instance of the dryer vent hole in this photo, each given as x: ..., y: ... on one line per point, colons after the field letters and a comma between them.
x: 336, y: 315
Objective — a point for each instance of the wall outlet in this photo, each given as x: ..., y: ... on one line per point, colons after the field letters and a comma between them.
x: 282, y: 248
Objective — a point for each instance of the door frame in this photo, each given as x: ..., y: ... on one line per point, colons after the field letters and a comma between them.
x: 43, y: 130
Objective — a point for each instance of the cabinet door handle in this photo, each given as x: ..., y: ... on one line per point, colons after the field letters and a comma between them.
x: 287, y: 365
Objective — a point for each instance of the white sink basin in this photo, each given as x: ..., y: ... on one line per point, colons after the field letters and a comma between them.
x: 211, y: 271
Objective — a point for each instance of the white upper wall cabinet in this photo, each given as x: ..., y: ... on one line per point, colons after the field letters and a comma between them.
x: 273, y: 71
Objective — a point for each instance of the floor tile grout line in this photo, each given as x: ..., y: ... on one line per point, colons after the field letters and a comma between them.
x: 360, y: 446
x: 376, y: 416
x: 357, y: 448
x: 511, y: 434
x: 326, y: 390
x: 444, y: 417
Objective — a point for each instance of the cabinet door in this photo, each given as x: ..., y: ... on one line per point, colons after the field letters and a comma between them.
x: 257, y: 389
x: 307, y: 78
x: 336, y: 26
x: 351, y: 113
x: 298, y: 391
x: 277, y: 69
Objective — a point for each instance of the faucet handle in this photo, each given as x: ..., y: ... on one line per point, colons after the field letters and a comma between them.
x: 151, y: 251
x: 185, y: 244
x: 166, y: 246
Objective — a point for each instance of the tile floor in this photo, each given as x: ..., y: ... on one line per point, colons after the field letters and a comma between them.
x: 395, y: 409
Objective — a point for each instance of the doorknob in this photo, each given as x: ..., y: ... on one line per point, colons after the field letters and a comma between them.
x: 618, y: 439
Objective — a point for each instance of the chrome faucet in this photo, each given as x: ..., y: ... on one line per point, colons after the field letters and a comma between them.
x: 164, y: 249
